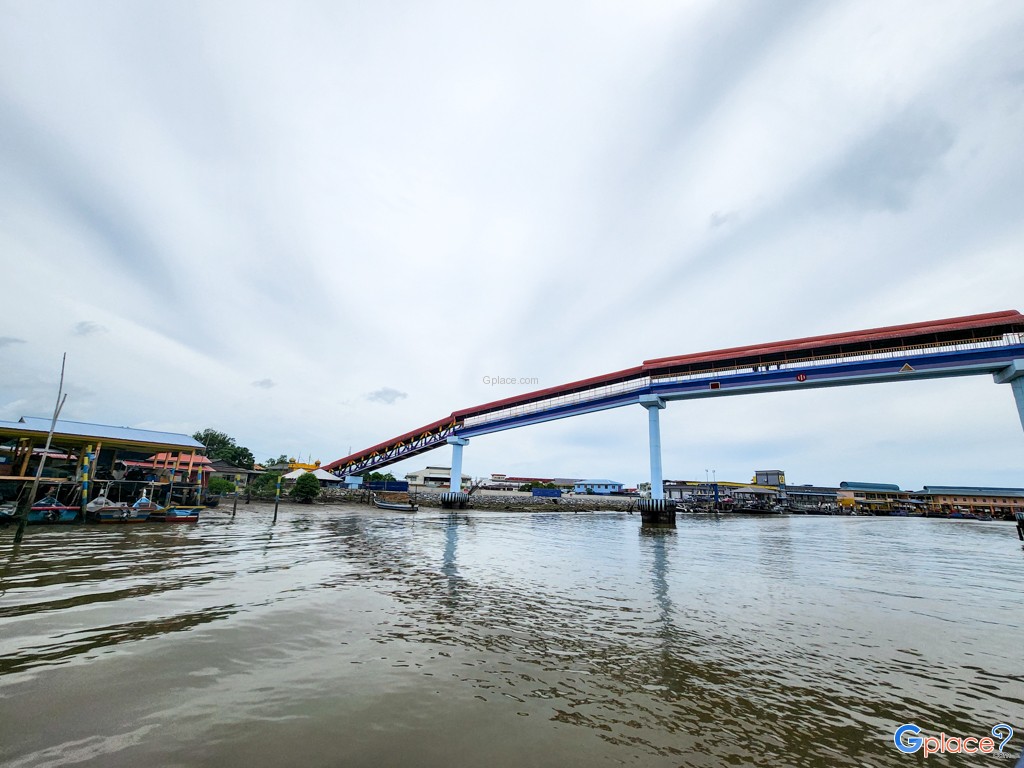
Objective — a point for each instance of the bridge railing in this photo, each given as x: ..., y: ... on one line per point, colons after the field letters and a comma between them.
x: 887, y: 353
x: 559, y: 401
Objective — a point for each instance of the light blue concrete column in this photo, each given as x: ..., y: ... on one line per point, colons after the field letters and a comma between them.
x: 654, y: 404
x: 1018, y: 394
x: 1014, y: 376
x: 455, y: 485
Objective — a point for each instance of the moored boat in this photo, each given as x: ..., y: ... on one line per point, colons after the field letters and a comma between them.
x: 8, y: 512
x: 103, y: 510
x: 176, y: 514
x: 49, y: 511
x: 393, y: 506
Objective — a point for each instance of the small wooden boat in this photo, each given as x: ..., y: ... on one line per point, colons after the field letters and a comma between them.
x: 394, y: 507
x: 176, y: 514
x: 103, y: 510
x: 48, y: 511
x: 8, y: 512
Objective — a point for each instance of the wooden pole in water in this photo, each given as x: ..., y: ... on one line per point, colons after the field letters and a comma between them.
x: 86, y: 463
x: 277, y: 497
x: 235, y: 507
x: 26, y: 504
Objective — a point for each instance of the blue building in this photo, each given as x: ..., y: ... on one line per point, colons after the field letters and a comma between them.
x: 597, y: 487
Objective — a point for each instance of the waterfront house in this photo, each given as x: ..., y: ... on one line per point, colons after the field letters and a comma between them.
x: 997, y: 502
x: 597, y: 487
x: 233, y: 473
x: 874, y: 497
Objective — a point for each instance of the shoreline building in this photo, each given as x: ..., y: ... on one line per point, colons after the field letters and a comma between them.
x: 875, y: 497
x: 997, y: 502
x: 597, y: 487
x: 434, y: 477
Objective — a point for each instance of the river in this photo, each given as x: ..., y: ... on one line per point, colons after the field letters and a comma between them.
x: 343, y: 636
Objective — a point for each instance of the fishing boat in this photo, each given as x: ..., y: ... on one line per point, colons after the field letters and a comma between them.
x: 759, y: 509
x: 49, y: 511
x: 176, y: 514
x: 394, y: 507
x: 103, y: 510
x: 8, y: 512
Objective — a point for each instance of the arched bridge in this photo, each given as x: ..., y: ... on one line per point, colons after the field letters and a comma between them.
x: 990, y: 343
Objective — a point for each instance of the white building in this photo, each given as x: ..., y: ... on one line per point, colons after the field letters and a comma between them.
x: 434, y: 477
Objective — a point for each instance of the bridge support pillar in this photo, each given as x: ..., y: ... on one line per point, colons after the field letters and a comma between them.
x: 455, y: 498
x: 656, y: 509
x: 1014, y: 376
x: 654, y: 405
x: 657, y: 512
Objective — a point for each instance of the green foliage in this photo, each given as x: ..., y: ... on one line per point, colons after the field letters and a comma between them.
x: 240, y: 456
x: 221, y: 446
x: 530, y: 486
x: 213, y: 440
x: 219, y: 485
x: 307, y: 488
x: 265, y: 483
x: 282, y: 459
x: 377, y: 477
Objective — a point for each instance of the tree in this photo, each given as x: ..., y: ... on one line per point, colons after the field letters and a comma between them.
x: 265, y: 483
x: 240, y: 456
x: 221, y: 446
x: 282, y: 459
x: 219, y: 485
x: 377, y: 477
x: 307, y: 488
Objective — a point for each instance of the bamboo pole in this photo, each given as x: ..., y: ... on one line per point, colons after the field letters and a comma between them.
x: 26, y: 503
x: 277, y: 497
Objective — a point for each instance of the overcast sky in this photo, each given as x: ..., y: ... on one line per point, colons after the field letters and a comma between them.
x: 315, y: 225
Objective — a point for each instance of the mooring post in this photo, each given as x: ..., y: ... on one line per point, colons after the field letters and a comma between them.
x: 234, y: 507
x: 277, y: 497
x: 86, y: 464
x: 656, y: 509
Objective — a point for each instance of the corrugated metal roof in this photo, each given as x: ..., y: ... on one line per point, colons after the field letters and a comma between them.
x: 869, y: 486
x: 947, y: 490
x: 85, y: 430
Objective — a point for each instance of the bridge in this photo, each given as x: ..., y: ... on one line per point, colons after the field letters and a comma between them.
x: 991, y: 343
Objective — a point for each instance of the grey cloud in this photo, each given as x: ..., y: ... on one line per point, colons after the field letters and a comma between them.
x: 386, y: 395
x: 88, y: 328
x: 719, y: 219
x: 6, y: 341
x: 51, y: 167
x: 883, y: 170
x: 263, y: 383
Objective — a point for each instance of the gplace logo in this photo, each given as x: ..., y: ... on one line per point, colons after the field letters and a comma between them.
x: 908, y: 740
